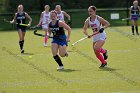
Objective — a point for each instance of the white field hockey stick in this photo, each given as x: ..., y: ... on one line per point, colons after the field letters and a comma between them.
x: 124, y: 19
x: 83, y: 39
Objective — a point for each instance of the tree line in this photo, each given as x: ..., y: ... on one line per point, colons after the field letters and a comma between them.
x: 38, y: 5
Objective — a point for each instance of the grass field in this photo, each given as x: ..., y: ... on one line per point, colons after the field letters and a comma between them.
x: 21, y: 74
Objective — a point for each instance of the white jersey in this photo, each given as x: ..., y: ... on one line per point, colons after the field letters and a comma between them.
x: 96, y: 26
x: 45, y: 20
x: 60, y: 16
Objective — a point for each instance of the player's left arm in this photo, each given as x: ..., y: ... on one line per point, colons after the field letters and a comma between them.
x: 67, y: 15
x: 14, y: 19
x: 105, y: 24
x: 49, y: 31
x: 30, y: 19
x: 62, y: 24
x: 139, y: 10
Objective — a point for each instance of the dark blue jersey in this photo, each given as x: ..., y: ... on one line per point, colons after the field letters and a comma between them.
x: 134, y: 10
x: 21, y: 19
x: 56, y: 30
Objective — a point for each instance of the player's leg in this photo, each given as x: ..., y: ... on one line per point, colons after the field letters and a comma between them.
x: 45, y: 38
x: 132, y: 27
x: 21, y: 39
x: 63, y: 51
x: 136, y: 27
x: 97, y: 46
x: 105, y: 53
x: 54, y: 49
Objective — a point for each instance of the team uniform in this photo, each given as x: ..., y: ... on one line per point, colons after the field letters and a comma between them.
x: 134, y: 17
x: 21, y: 19
x: 59, y: 36
x: 134, y: 13
x: 96, y: 26
x: 45, y: 20
x: 60, y: 16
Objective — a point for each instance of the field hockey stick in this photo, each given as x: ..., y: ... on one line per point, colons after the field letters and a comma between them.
x: 129, y: 18
x: 5, y: 20
x: 83, y: 39
x: 126, y: 19
x: 35, y: 29
x: 38, y: 34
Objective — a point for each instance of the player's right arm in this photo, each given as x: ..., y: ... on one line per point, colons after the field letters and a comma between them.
x: 130, y: 9
x: 85, y: 28
x: 139, y: 10
x: 41, y: 19
x: 67, y: 15
x: 49, y: 31
x: 14, y: 19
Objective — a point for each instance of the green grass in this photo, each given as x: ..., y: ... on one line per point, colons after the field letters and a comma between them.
x: 21, y: 74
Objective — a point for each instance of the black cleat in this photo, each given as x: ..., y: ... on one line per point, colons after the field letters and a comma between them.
x: 105, y: 55
x: 103, y: 65
x: 137, y: 33
x: 22, y: 51
x: 133, y: 34
x: 66, y: 54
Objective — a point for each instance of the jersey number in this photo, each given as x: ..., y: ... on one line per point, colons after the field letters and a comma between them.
x: 94, y: 29
x: 20, y: 21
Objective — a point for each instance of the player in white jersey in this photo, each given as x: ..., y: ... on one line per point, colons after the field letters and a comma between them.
x: 44, y: 21
x: 61, y: 14
x: 98, y: 24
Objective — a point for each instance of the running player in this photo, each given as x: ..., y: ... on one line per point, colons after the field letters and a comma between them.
x: 20, y: 18
x: 44, y: 21
x: 61, y: 14
x: 134, y: 14
x: 97, y: 24
x: 59, y: 42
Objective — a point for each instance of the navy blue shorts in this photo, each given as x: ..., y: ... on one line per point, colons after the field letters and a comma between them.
x: 134, y: 17
x: 23, y: 29
x: 61, y: 40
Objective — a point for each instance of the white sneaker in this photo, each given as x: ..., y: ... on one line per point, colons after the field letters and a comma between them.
x: 60, y: 68
x: 45, y: 44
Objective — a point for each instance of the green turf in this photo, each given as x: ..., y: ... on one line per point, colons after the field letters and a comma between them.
x: 21, y: 74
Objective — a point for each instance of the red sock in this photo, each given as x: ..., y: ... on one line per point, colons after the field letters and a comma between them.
x: 100, y: 57
x: 45, y: 40
x: 102, y: 50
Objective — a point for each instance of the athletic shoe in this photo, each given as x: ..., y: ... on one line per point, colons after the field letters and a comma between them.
x: 105, y: 55
x: 45, y: 44
x: 60, y: 68
x: 22, y: 51
x: 66, y: 54
x: 133, y: 34
x: 137, y: 33
x: 103, y: 65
